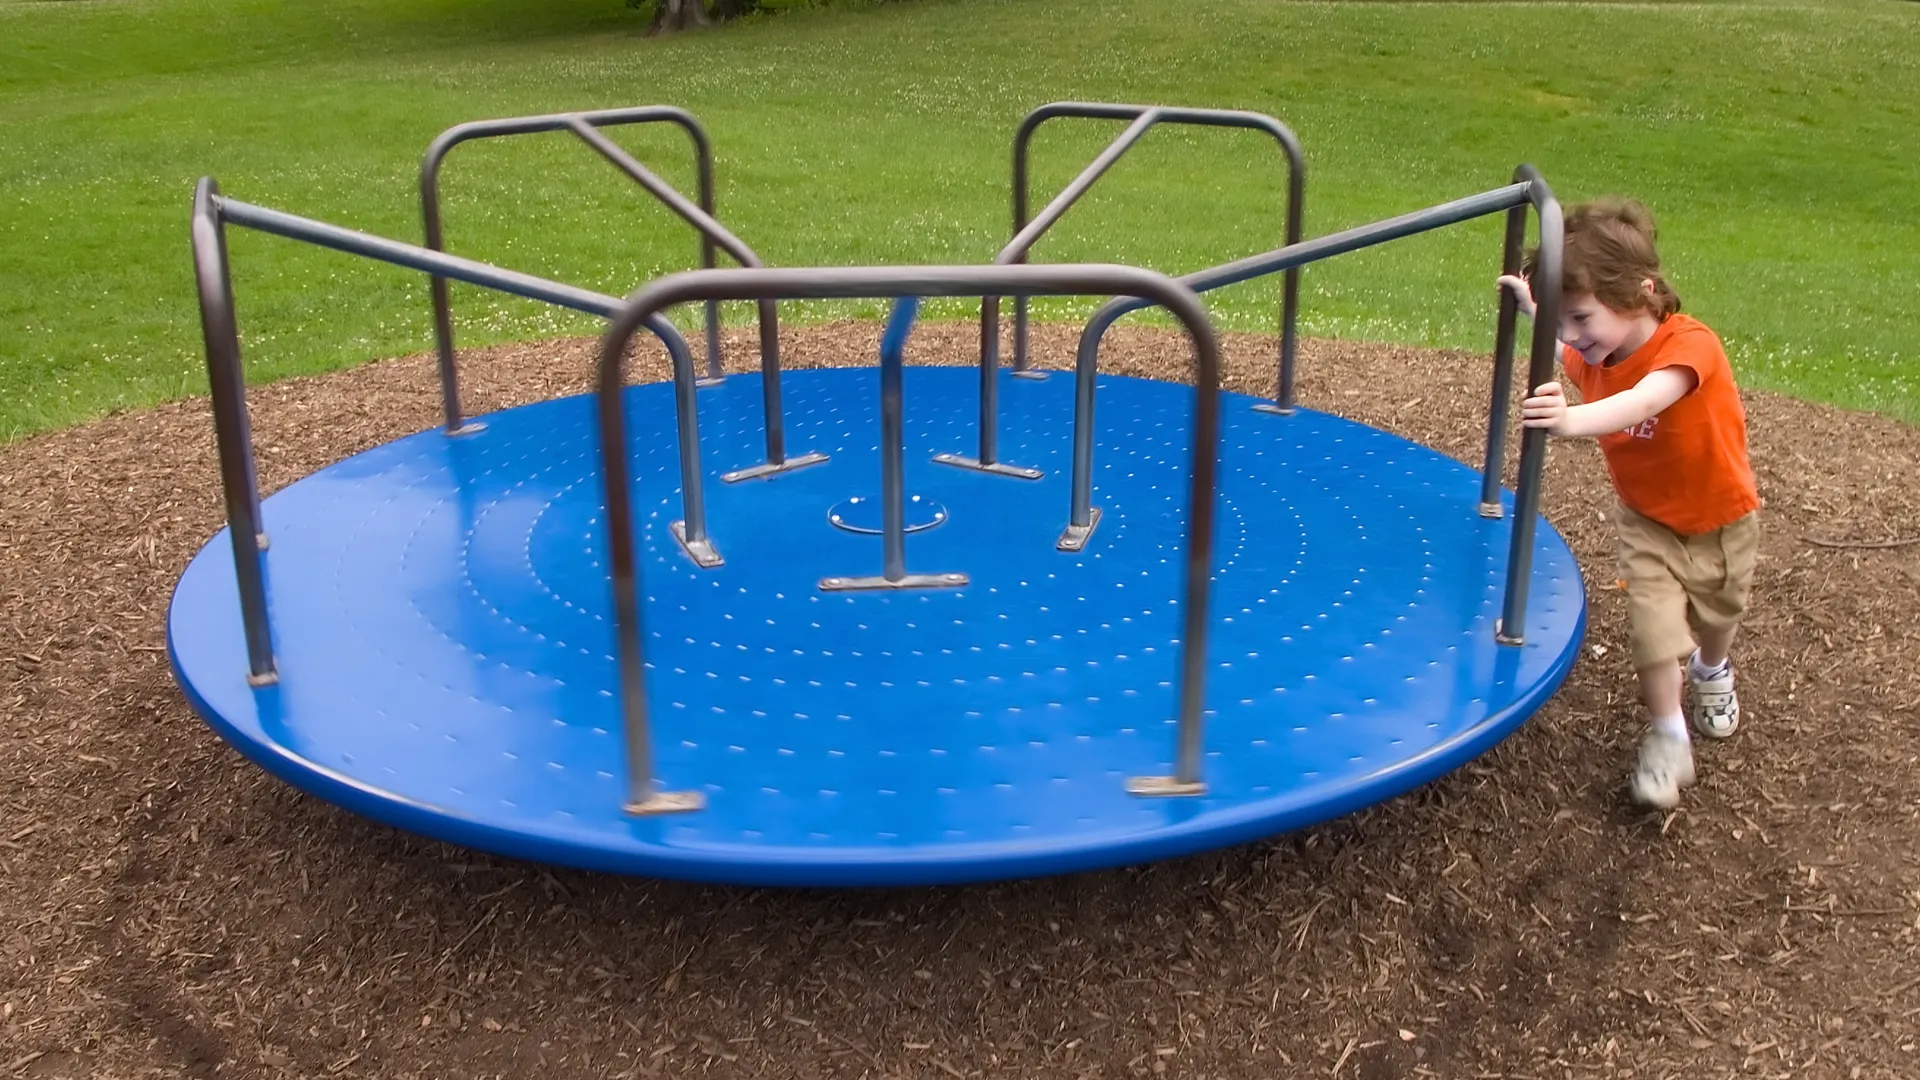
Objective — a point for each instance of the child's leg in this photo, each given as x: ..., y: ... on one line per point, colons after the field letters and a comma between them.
x: 1719, y: 578
x: 1716, y: 644
x: 1661, y: 639
x: 1665, y: 763
x: 1661, y: 689
x: 1659, y: 625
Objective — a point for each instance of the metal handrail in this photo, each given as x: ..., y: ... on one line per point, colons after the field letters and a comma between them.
x: 1527, y: 190
x: 1143, y: 116
x: 644, y: 796
x: 233, y: 434
x: 716, y: 233
x: 226, y: 379
x: 893, y: 486
x: 585, y: 125
x: 1511, y: 262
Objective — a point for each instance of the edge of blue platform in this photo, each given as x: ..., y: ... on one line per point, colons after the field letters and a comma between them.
x: 958, y: 865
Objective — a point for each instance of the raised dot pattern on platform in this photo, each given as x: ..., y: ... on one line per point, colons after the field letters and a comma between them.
x: 441, y: 614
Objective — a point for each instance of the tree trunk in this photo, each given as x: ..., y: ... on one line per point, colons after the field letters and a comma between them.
x: 672, y: 16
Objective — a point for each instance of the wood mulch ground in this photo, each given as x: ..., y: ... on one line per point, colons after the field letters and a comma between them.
x: 167, y: 910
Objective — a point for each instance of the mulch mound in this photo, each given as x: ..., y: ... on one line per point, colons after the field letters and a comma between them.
x: 166, y: 909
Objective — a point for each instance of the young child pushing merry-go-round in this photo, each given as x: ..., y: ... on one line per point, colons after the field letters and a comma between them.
x: 1659, y: 397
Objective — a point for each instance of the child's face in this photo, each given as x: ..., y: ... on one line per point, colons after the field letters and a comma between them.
x: 1600, y: 333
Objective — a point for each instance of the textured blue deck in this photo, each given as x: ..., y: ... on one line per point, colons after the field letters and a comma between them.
x: 441, y: 617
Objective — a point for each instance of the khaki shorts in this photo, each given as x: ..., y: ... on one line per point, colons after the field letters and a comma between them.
x: 1677, y: 584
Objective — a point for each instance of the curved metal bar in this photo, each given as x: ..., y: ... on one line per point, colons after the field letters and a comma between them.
x: 716, y: 233
x: 1029, y: 234
x: 1511, y: 262
x: 232, y: 434
x: 660, y: 189
x: 1015, y: 252
x: 1284, y: 259
x: 1339, y: 243
x: 1527, y: 190
x: 1533, y: 441
x: 693, y: 530
x: 526, y: 125
x: 295, y: 227
x: 227, y: 384
x: 918, y: 281
x: 1296, y: 198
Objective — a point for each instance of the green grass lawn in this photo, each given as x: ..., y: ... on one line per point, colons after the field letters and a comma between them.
x: 1777, y: 143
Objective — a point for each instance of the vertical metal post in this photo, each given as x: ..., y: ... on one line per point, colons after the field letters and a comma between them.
x: 226, y: 383
x: 989, y: 382
x: 442, y: 304
x: 1084, y: 515
x: 703, y: 156
x: 1511, y: 629
x: 1185, y: 780
x: 1020, y: 303
x: 644, y: 796
x: 1193, y: 640
x: 777, y: 460
x: 1290, y: 288
x: 1503, y: 341
x: 989, y: 457
x: 770, y: 387
x: 715, y: 374
x: 1020, y: 360
x: 691, y: 530
x: 1022, y: 339
x: 1290, y: 292
x: 893, y: 481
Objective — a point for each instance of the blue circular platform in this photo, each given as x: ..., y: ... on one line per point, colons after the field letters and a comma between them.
x: 440, y: 611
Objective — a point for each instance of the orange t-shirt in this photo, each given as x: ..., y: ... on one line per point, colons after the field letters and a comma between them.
x: 1686, y: 468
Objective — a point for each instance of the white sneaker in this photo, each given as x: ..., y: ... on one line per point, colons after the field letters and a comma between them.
x: 1665, y: 766
x: 1716, y: 708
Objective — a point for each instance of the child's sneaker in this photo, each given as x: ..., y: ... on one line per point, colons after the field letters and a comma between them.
x: 1665, y: 766
x: 1716, y: 709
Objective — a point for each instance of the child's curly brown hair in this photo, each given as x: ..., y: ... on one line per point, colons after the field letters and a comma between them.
x: 1610, y: 254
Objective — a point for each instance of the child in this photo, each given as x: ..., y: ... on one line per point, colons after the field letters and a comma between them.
x: 1660, y: 399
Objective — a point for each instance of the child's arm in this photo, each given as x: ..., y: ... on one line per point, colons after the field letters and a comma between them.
x: 1548, y: 408
x: 1522, y: 292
